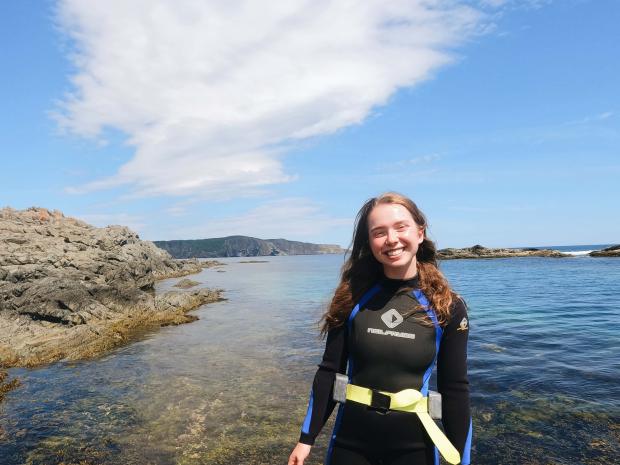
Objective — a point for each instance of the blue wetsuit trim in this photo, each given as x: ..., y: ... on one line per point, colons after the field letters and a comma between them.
x: 467, y: 449
x: 328, y: 459
x: 421, y: 298
x: 305, y: 428
x: 365, y: 298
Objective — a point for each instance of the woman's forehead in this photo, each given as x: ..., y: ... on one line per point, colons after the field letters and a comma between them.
x: 386, y: 214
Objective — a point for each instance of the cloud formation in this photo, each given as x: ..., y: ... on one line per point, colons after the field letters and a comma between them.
x: 292, y: 218
x: 211, y: 94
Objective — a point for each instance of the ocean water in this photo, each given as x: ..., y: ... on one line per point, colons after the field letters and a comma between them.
x: 232, y: 387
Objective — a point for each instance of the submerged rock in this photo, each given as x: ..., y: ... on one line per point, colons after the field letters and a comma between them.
x: 6, y: 386
x: 71, y: 290
x: 186, y: 283
x: 478, y: 251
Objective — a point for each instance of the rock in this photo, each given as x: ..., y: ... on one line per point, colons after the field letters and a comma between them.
x: 71, y: 290
x: 613, y: 251
x: 186, y: 283
x: 478, y: 251
x: 211, y: 263
x: 6, y: 386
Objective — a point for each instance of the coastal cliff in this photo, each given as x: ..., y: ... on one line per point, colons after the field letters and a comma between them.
x: 243, y: 246
x: 69, y: 290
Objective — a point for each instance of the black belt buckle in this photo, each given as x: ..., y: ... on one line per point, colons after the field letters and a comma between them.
x: 380, y: 402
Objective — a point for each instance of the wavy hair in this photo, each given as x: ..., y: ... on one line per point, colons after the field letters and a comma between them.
x: 361, y: 269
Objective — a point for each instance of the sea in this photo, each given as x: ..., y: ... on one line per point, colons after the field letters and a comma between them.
x: 232, y: 387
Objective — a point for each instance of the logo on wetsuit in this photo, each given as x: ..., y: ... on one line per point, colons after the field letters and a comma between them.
x: 392, y: 318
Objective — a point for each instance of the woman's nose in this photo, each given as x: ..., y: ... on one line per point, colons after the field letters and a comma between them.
x: 391, y: 236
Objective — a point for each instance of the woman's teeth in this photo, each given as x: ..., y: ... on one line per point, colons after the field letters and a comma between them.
x: 394, y: 252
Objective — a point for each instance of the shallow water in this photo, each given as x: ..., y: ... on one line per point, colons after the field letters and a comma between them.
x: 233, y: 386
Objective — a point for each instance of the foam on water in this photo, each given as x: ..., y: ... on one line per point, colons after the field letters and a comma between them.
x: 579, y: 253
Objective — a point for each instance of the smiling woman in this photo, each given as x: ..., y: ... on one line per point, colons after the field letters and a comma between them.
x: 394, y: 239
x: 390, y: 281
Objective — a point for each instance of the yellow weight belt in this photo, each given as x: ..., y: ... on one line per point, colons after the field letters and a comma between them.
x: 409, y: 400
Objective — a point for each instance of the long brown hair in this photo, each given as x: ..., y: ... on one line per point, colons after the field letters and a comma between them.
x: 361, y: 269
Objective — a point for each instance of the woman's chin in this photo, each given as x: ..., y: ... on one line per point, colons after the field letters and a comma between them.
x: 397, y: 268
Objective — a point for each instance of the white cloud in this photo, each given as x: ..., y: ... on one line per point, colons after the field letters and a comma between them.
x: 209, y: 93
x: 290, y: 218
x: 590, y: 119
x: 514, y: 4
x: 398, y: 165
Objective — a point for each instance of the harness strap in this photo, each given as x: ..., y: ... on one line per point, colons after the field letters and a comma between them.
x: 412, y: 401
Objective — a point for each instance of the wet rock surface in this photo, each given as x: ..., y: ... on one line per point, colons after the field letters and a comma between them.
x: 478, y: 251
x: 71, y: 290
x: 613, y: 251
x: 6, y: 385
x: 186, y: 283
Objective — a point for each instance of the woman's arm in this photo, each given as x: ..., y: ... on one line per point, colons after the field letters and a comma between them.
x: 452, y: 381
x: 321, y: 405
x: 299, y: 454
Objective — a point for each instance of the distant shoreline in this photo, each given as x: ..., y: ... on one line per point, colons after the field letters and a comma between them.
x: 481, y: 252
x: 478, y: 251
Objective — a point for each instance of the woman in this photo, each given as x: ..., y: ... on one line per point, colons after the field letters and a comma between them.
x: 392, y: 316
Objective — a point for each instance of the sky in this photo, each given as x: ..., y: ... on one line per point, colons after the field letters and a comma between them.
x: 188, y: 119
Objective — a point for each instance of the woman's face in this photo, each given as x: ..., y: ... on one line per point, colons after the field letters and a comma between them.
x: 394, y: 238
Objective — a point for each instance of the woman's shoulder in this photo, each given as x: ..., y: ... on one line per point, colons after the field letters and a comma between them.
x: 458, y: 312
x: 458, y: 304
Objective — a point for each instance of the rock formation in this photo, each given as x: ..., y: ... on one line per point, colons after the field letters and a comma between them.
x: 613, y: 251
x: 186, y: 283
x: 477, y: 251
x: 71, y: 290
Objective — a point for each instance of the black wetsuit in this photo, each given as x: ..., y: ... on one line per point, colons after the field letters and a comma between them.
x: 383, y: 351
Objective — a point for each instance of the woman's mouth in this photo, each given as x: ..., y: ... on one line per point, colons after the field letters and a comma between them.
x: 394, y: 252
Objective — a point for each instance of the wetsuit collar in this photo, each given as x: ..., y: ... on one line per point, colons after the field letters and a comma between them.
x: 390, y: 283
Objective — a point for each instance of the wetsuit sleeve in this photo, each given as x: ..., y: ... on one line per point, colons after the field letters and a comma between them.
x: 452, y: 381
x: 321, y: 404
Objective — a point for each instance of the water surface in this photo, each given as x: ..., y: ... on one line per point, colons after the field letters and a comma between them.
x: 233, y: 386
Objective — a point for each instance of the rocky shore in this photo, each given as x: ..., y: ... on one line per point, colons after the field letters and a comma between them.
x: 613, y: 251
x: 69, y: 290
x: 477, y: 251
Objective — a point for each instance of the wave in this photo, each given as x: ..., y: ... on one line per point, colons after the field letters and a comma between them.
x: 577, y: 253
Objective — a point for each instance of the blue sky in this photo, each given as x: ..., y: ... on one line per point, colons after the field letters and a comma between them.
x: 184, y: 119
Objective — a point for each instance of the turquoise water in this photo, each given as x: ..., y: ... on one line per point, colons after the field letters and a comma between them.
x: 232, y: 387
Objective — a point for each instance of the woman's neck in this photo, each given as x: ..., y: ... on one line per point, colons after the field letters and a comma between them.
x: 409, y: 272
